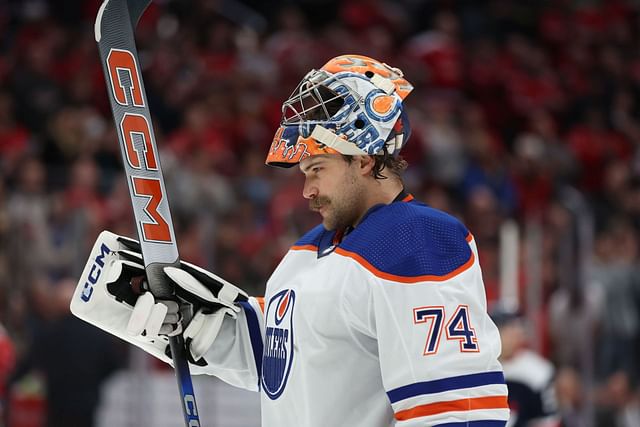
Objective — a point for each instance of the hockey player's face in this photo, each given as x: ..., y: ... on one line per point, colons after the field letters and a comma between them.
x: 334, y: 190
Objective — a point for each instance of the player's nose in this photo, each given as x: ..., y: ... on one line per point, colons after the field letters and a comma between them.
x: 309, y: 190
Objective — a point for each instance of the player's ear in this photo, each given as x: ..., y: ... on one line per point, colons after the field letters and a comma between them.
x: 365, y: 164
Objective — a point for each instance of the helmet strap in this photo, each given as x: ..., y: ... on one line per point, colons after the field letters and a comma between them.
x: 330, y: 139
x: 383, y: 83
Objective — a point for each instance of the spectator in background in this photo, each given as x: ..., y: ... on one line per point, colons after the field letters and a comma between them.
x: 440, y: 52
x: 28, y: 208
x: 618, y: 402
x: 574, y: 313
x: 572, y: 396
x: 532, y: 179
x: 615, y: 276
x: 7, y: 362
x: 594, y: 144
x: 486, y: 168
x: 36, y: 92
x: 74, y: 357
x: 529, y: 376
x: 442, y: 140
x: 14, y: 138
x: 484, y: 218
x: 78, y: 212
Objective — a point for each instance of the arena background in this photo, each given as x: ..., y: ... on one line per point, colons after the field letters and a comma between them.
x: 525, y: 123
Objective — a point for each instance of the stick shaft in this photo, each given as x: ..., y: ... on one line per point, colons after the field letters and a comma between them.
x: 114, y: 31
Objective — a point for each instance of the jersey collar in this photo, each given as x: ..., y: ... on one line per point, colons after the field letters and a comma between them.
x: 330, y: 240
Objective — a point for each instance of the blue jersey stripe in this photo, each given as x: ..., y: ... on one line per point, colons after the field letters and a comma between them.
x: 445, y: 384
x: 479, y: 423
x: 255, y: 335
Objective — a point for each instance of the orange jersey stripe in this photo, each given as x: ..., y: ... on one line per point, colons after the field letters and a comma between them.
x: 408, y: 198
x: 304, y: 248
x: 406, y: 279
x: 490, y: 402
x: 469, y: 238
x: 260, y: 303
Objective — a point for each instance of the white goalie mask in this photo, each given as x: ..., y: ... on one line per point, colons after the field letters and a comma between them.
x: 353, y: 105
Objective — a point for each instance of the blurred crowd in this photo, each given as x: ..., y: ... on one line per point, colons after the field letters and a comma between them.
x: 523, y: 111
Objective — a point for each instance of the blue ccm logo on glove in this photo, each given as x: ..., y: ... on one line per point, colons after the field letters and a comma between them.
x: 94, y: 274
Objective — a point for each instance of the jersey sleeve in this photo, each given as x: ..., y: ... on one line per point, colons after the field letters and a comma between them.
x: 423, y: 301
x: 236, y: 355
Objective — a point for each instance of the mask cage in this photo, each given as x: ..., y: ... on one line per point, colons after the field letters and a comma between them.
x: 312, y: 101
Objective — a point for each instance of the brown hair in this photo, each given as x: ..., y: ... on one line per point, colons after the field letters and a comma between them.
x: 395, y: 164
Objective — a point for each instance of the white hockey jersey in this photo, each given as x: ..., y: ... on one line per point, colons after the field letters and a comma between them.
x: 385, y: 327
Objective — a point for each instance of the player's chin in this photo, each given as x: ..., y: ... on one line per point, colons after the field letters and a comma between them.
x: 329, y: 223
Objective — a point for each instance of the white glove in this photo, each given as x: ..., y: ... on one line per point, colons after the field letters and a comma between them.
x: 113, y: 295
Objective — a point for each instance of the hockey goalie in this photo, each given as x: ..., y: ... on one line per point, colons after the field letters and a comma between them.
x: 376, y: 317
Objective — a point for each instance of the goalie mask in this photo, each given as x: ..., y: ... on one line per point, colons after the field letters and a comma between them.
x: 352, y: 106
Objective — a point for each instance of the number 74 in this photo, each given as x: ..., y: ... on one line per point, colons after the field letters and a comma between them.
x: 457, y: 328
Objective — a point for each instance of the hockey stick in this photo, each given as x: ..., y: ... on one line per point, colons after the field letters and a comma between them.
x: 114, y: 30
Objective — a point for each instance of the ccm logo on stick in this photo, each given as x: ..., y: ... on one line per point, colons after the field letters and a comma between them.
x: 123, y: 60
x: 137, y: 124
x: 190, y: 408
x: 125, y: 81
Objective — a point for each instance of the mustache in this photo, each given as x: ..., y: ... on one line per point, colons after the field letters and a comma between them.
x: 318, y: 202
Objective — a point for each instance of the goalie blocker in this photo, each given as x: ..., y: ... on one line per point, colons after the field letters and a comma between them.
x: 113, y: 295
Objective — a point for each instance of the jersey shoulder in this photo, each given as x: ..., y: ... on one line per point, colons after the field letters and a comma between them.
x: 410, y: 242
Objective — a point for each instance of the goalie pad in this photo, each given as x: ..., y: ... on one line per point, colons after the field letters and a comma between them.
x: 111, y: 295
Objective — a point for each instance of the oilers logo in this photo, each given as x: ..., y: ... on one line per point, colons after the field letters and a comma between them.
x: 278, y: 346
